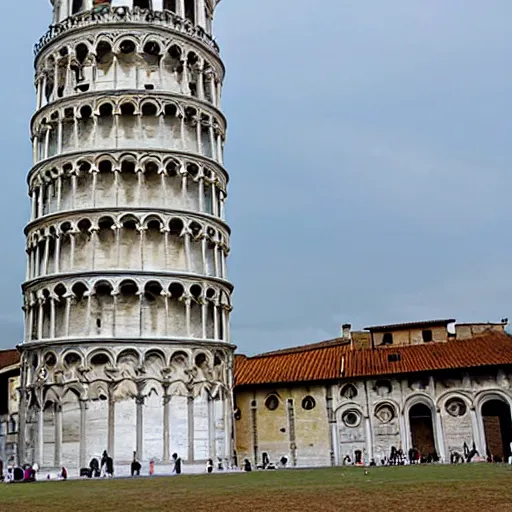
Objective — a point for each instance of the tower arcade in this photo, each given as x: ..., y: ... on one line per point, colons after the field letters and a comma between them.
x: 126, y: 299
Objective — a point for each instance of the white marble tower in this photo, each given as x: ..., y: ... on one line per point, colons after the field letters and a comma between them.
x: 127, y: 302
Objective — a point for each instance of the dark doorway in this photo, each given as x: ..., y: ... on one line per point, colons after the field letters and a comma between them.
x: 497, y: 428
x: 422, y: 430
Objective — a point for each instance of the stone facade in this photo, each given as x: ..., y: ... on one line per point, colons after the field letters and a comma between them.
x: 127, y: 300
x: 360, y: 418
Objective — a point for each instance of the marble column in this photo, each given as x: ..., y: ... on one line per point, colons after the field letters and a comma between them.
x: 58, y: 436
x: 140, y: 426
x: 167, y: 429
x: 190, y: 411
x: 440, y: 435
x: 83, y: 429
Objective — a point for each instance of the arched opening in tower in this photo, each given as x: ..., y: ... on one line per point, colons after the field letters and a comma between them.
x: 77, y: 6
x: 190, y: 10
x: 498, y: 429
x: 142, y: 4
x: 170, y: 5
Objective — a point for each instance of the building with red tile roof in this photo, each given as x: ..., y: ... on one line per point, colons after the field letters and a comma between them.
x: 337, y: 359
x: 9, y: 382
x: 357, y: 397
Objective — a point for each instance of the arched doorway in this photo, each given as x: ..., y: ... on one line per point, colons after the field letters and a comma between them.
x: 422, y: 429
x: 497, y: 428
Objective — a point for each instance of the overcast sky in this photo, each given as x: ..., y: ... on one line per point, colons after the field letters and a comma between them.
x: 369, y: 147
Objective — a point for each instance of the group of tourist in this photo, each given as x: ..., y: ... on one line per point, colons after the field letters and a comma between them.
x: 17, y: 474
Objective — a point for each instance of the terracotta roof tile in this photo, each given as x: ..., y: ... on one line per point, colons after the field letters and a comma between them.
x: 8, y: 358
x: 325, y: 362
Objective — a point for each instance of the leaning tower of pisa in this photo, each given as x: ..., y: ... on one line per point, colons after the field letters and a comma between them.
x: 126, y: 299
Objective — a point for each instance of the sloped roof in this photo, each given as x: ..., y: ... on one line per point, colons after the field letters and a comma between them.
x: 321, y: 363
x: 411, y: 325
x: 8, y: 358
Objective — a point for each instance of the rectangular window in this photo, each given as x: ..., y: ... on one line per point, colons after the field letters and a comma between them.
x: 427, y: 335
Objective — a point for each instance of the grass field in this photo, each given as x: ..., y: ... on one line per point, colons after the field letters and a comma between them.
x: 468, y: 488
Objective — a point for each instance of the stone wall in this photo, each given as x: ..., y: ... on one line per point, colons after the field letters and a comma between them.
x: 411, y: 336
x: 442, y: 413
x: 283, y: 421
x: 152, y: 401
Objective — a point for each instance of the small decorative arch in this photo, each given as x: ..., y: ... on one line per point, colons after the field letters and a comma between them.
x: 99, y: 357
x: 128, y: 287
x: 176, y: 290
x: 180, y: 357
x: 386, y: 411
x: 129, y: 354
x: 348, y: 391
x: 149, y: 109
x: 125, y: 46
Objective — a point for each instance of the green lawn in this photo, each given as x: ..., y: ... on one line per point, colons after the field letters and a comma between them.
x: 467, y: 488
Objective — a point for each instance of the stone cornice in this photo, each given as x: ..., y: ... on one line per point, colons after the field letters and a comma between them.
x: 170, y: 22
x: 65, y: 214
x: 144, y: 95
x: 91, y: 342
x: 146, y: 274
x: 149, y: 151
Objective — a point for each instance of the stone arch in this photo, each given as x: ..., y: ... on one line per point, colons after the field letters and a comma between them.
x: 52, y: 395
x: 78, y: 310
x: 152, y: 50
x: 154, y: 362
x: 100, y: 357
x: 153, y: 217
x: 390, y: 403
x: 347, y: 406
x: 150, y: 108
x: 450, y: 394
x: 495, y: 422
x: 130, y: 242
x: 128, y: 179
x: 105, y: 250
x: 128, y: 360
x: 177, y: 314
x: 126, y: 45
x: 420, y: 419
x: 104, y: 63
x: 96, y: 428
x: 153, y: 310
x: 102, y: 309
x: 124, y: 394
x: 128, y: 309
x: 71, y: 417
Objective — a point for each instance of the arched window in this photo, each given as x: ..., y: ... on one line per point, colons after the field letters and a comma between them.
x: 387, y: 339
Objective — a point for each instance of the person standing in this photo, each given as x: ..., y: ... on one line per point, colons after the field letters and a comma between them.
x: 177, y: 464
